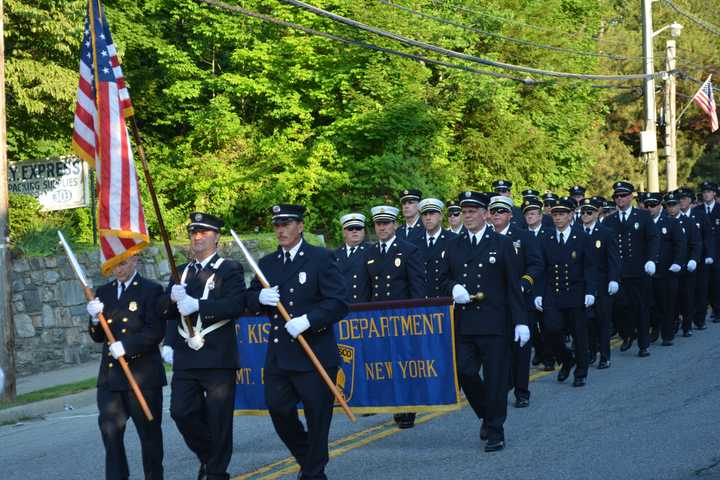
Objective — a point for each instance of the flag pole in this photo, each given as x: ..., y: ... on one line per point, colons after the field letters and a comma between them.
x: 158, y: 214
x: 692, y: 99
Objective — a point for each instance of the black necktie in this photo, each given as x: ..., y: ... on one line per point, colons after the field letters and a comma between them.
x: 622, y: 216
x: 473, y: 242
x: 562, y: 238
x: 431, y: 242
x: 122, y: 289
x: 382, y: 248
x: 288, y: 259
x: 708, y: 210
x: 587, y: 230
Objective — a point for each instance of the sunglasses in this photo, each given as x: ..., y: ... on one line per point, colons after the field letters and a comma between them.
x: 621, y: 195
x: 495, y: 211
x: 455, y: 214
x: 354, y: 228
x: 588, y: 212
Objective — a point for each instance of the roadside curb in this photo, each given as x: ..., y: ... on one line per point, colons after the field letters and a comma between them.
x: 41, y: 408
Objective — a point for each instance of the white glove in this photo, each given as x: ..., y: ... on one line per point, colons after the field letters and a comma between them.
x: 117, y: 350
x: 589, y: 301
x: 613, y: 287
x: 675, y: 268
x: 460, y: 294
x: 538, y: 304
x: 188, y: 305
x: 709, y: 261
x: 167, y: 354
x: 269, y: 296
x: 691, y: 266
x: 94, y: 308
x: 196, y: 342
x: 297, y: 325
x: 177, y: 293
x: 522, y: 334
x: 650, y: 267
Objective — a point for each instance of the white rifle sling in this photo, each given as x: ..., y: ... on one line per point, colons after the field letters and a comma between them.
x: 209, y: 285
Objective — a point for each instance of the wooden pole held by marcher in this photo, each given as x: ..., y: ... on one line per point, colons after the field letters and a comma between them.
x: 301, y: 340
x: 89, y: 295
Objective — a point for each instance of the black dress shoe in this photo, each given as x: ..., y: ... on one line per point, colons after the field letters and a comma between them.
x: 202, y: 472
x: 494, y: 445
x: 579, y: 382
x: 564, y: 372
x: 666, y: 343
x: 643, y: 352
x: 592, y: 358
x: 522, y: 403
x: 483, y: 433
x: 687, y: 333
x: 701, y: 327
x: 626, y: 344
x: 603, y: 364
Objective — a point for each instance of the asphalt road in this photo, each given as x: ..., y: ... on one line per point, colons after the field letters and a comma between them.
x: 653, y: 418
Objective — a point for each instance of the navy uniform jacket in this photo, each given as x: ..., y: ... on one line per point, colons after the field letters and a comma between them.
x: 311, y: 285
x: 435, y: 262
x: 409, y: 233
x: 529, y: 256
x: 637, y: 240
x: 547, y: 221
x: 713, y: 222
x: 135, y: 321
x: 226, y: 301
x: 694, y: 241
x: 463, y: 229
x: 518, y: 219
x: 398, y: 275
x: 490, y: 268
x: 703, y: 224
x: 354, y: 273
x: 570, y: 271
x: 673, y: 245
x: 606, y: 256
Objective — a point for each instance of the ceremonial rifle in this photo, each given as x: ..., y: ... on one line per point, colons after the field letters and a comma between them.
x: 301, y: 340
x: 89, y: 295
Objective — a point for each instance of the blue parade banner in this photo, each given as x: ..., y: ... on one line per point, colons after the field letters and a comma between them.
x: 396, y: 357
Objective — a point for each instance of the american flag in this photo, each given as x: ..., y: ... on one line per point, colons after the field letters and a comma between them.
x: 705, y: 100
x: 100, y: 136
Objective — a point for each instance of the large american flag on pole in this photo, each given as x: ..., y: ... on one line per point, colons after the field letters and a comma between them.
x: 704, y: 99
x: 100, y: 136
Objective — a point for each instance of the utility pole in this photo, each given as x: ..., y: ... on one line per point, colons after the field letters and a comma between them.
x: 670, y: 126
x: 7, y: 326
x: 648, y: 138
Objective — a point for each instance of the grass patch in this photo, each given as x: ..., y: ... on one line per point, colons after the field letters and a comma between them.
x: 50, y: 393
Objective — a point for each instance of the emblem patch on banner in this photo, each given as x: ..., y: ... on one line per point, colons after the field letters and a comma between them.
x: 345, y: 380
x: 302, y: 278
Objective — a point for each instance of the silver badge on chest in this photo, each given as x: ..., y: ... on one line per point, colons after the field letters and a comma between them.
x: 491, y: 259
x: 302, y: 278
x: 637, y: 226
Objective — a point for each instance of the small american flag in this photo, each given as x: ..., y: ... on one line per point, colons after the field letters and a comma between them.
x: 100, y: 137
x: 705, y: 100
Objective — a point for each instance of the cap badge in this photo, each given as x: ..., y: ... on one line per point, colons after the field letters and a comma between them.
x: 467, y: 194
x: 406, y: 192
x: 276, y: 209
x: 501, y: 183
x: 198, y: 217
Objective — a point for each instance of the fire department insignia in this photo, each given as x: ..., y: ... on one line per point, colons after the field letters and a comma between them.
x: 345, y: 380
x: 637, y: 226
x: 598, y: 244
x: 397, y: 262
x: 133, y: 306
x: 302, y: 278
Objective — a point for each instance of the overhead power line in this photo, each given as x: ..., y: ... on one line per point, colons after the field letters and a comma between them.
x: 464, y: 56
x: 419, y: 58
x: 694, y: 18
x: 506, y: 38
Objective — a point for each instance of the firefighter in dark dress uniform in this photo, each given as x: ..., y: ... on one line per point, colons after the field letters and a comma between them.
x: 549, y: 199
x: 504, y: 188
x: 351, y: 258
x: 577, y: 193
x: 395, y: 271
x: 483, y: 275
x: 433, y: 246
x: 454, y: 214
x: 210, y: 295
x: 569, y: 287
x: 130, y: 306
x: 413, y: 228
x: 530, y: 265
x: 710, y: 210
x: 308, y: 281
